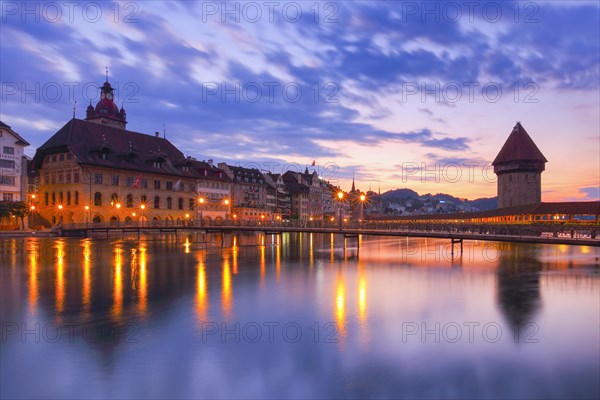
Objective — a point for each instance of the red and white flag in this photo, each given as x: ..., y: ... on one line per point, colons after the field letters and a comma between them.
x: 313, y: 164
x: 138, y: 181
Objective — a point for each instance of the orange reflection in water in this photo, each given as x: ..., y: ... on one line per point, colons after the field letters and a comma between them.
x: 234, y: 253
x: 60, y: 276
x: 33, y: 281
x: 226, y: 297
x: 340, y: 304
x: 263, y: 265
x: 86, y: 290
x: 117, y: 308
x: 362, y: 296
x: 143, y: 282
x: 201, y: 293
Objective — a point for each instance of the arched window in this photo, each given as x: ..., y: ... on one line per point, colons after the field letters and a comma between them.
x: 76, y: 198
x: 98, y: 199
x: 180, y: 203
x: 60, y: 198
x: 191, y: 204
x: 169, y: 203
x: 53, y: 198
x: 68, y: 198
x: 156, y: 202
x: 129, y: 201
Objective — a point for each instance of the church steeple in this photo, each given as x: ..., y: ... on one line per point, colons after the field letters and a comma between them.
x: 353, y: 187
x: 106, y: 111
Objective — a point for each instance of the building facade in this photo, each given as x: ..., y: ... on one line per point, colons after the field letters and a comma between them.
x: 519, y: 166
x: 13, y: 165
x: 96, y: 170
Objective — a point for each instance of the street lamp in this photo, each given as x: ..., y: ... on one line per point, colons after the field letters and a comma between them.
x: 60, y: 218
x: 87, y: 214
x: 227, y: 202
x: 201, y: 201
x: 362, y: 206
x: 340, y: 196
x: 142, y: 207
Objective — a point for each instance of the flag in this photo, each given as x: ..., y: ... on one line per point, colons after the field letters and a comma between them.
x: 138, y: 181
x: 313, y: 163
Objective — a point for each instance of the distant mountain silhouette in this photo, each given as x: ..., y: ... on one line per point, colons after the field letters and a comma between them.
x: 404, y: 194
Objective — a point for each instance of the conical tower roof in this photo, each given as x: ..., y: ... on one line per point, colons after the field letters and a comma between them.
x: 519, y: 147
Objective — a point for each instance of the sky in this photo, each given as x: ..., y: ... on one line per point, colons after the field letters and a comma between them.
x: 418, y: 95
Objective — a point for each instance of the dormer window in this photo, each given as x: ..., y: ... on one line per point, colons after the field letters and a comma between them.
x: 157, y: 164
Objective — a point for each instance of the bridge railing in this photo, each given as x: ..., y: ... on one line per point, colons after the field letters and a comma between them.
x: 533, y: 230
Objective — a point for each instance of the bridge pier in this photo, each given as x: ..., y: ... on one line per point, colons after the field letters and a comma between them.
x: 456, y: 241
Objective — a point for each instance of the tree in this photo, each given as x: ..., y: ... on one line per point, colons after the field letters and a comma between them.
x: 19, y: 209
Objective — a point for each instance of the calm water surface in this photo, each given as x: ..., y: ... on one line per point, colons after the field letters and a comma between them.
x: 297, y: 316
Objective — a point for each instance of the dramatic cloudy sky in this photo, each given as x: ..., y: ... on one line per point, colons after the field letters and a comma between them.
x: 398, y: 93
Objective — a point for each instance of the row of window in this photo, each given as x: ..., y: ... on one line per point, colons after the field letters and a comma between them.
x: 68, y: 176
x: 7, y: 180
x: 58, y: 157
x: 54, y: 198
x: 7, y: 164
x: 129, y: 202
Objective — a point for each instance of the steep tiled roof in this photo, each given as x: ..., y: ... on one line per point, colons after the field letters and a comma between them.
x: 125, y: 150
x: 519, y: 147
x: 19, y: 138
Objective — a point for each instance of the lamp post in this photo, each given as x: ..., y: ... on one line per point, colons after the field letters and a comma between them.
x: 362, y: 207
x: 60, y: 218
x: 340, y: 196
x: 227, y: 202
x: 201, y: 201
x: 87, y: 214
x: 142, y: 207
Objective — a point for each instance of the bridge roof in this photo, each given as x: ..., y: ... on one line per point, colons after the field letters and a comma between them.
x: 519, y: 147
x: 573, y: 207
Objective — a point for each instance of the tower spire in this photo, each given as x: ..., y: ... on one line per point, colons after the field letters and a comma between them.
x: 74, y: 108
x: 353, y: 187
x: 106, y: 69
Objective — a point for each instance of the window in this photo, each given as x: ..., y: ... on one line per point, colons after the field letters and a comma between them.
x: 145, y: 183
x: 61, y: 157
x: 191, y: 205
x: 114, y: 180
x: 45, y: 198
x: 169, y: 203
x: 7, y: 197
x: 98, y: 199
x: 129, y: 201
x: 69, y: 156
x: 144, y: 199
x: 7, y: 180
x: 60, y: 177
x: 157, y: 164
x: 46, y: 178
x: 8, y: 150
x: 54, y: 158
x: 53, y: 178
x: 114, y: 198
x: 60, y: 198
x: 98, y: 179
x: 129, y: 181
x: 169, y: 185
x: 104, y: 155
x: 53, y: 198
x: 68, y: 198
x: 156, y: 202
x: 156, y: 184
x: 76, y: 176
x: 7, y: 164
x: 76, y: 198
x: 68, y: 177
x: 180, y: 203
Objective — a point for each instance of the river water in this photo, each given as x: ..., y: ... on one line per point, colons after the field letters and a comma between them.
x: 297, y: 316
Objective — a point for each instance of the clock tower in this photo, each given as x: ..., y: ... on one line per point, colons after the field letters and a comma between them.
x: 106, y: 111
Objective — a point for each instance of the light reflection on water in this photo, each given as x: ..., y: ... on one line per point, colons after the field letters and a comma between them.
x: 297, y: 315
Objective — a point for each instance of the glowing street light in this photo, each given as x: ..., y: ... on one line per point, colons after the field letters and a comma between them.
x: 201, y: 201
x: 340, y: 196
x: 362, y: 206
